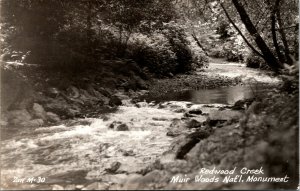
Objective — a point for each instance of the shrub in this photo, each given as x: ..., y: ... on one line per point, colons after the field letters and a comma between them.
x: 255, y: 61
x: 165, y: 52
x: 152, y: 52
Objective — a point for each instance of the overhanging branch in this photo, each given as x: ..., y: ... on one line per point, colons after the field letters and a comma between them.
x: 239, y: 31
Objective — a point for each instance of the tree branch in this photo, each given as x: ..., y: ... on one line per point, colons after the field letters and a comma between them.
x: 199, y: 44
x: 239, y: 31
x: 268, y: 56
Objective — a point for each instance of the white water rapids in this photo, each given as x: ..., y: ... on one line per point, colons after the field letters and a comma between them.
x: 87, y: 150
x: 78, y: 153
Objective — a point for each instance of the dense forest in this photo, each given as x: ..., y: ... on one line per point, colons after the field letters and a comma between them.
x: 125, y: 65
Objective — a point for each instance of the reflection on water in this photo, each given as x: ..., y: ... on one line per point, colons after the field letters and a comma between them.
x: 224, y: 95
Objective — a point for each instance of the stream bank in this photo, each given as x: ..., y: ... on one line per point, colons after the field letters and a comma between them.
x: 141, y: 145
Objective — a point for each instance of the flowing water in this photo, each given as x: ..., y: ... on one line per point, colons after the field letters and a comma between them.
x: 83, y: 153
x: 90, y: 149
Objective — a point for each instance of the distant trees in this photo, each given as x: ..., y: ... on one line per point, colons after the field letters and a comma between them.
x: 80, y: 29
x: 271, y: 26
x: 272, y: 9
x: 73, y: 35
x: 84, y: 31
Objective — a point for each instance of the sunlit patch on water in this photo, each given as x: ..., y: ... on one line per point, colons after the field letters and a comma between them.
x: 246, y: 74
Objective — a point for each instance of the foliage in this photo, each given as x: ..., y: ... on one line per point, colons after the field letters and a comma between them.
x: 66, y: 35
x: 270, y: 31
x: 153, y: 52
x: 290, y: 77
x: 165, y: 52
x: 255, y: 61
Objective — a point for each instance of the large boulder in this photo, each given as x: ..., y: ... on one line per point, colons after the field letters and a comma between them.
x: 63, y: 109
x: 33, y: 123
x: 217, y: 116
x: 189, y: 142
x: 16, y: 117
x: 52, y: 117
x: 115, y: 101
x: 38, y: 111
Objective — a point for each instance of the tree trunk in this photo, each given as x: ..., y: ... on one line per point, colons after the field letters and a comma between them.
x: 199, y: 44
x: 240, y: 32
x: 268, y: 55
x: 273, y: 30
x: 89, y: 23
x: 283, y: 37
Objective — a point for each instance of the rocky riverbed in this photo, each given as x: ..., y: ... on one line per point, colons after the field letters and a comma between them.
x: 111, y: 149
x: 135, y: 144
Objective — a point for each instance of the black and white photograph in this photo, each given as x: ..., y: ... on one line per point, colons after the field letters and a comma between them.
x: 149, y: 95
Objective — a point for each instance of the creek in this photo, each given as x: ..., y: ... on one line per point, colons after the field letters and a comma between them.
x: 87, y: 149
x: 93, y: 149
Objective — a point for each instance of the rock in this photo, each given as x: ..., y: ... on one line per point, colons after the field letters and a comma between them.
x: 58, y: 106
x: 133, y: 177
x: 52, y: 117
x: 242, y: 104
x: 198, y: 135
x: 105, y: 92
x: 179, y: 110
x: 189, y: 142
x: 97, y: 186
x: 193, y: 124
x: 173, y: 133
x: 141, y: 104
x: 128, y: 153
x: 16, y: 117
x: 70, y: 187
x: 73, y: 92
x: 239, y: 105
x: 115, y: 101
x: 188, y: 105
x: 167, y: 157
x: 22, y: 103
x: 178, y: 124
x: 77, y: 122
x: 52, y: 92
x: 72, y: 112
x: 122, y: 127
x: 177, y: 127
x: 160, y: 119
x: 112, y: 125
x: 195, y: 111
x: 187, y: 115
x: 105, y: 118
x: 117, y: 178
x: 79, y: 187
x: 113, y: 167
x: 33, y: 123
x: 38, y: 111
x: 57, y: 187
x: 141, y: 84
x: 224, y: 115
x: 154, y: 176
